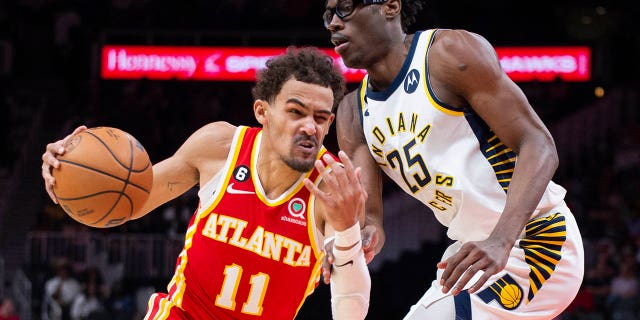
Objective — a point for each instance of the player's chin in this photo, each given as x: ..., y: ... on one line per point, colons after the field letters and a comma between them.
x: 302, y: 161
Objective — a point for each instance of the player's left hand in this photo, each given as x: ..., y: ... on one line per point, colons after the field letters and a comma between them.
x: 489, y: 256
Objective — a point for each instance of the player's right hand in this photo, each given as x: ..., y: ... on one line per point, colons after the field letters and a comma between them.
x: 370, y: 240
x: 50, y: 161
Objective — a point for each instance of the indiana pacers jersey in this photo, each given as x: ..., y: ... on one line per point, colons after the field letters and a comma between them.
x: 245, y: 256
x: 450, y: 160
x: 446, y: 157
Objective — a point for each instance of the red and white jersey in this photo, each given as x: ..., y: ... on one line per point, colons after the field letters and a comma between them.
x: 245, y: 256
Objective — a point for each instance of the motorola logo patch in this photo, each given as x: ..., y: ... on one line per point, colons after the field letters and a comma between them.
x: 411, y: 81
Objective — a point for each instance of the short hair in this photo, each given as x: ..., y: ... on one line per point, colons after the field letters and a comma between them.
x: 410, y: 9
x: 306, y: 64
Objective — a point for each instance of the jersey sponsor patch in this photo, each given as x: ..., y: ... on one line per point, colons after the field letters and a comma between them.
x: 297, y: 208
x: 411, y: 81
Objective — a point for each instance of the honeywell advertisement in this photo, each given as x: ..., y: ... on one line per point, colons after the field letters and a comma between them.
x: 241, y: 63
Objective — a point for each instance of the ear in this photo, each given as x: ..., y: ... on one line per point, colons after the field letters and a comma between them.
x: 331, y: 118
x: 260, y: 109
x: 392, y: 8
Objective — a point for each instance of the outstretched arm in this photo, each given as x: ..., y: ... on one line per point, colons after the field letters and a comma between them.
x: 466, y: 71
x: 203, y: 152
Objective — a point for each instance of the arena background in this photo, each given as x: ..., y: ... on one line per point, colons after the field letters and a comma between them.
x: 49, y: 83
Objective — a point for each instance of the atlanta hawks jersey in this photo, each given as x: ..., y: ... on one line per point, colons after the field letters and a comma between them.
x: 444, y: 156
x: 245, y: 256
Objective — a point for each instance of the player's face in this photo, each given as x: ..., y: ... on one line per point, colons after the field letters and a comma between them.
x: 360, y: 37
x: 297, y: 121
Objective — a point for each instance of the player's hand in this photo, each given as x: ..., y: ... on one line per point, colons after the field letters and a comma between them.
x: 342, y: 195
x: 489, y: 256
x: 370, y: 238
x: 50, y: 161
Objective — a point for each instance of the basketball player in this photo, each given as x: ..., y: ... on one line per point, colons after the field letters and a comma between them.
x: 438, y: 115
x: 253, y: 247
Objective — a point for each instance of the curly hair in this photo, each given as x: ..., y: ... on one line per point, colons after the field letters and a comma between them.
x: 410, y: 9
x: 307, y: 64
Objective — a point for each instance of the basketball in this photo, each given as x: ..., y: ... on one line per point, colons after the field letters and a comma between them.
x: 104, y: 178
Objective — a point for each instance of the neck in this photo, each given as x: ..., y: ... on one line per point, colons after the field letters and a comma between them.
x: 382, y: 73
x: 276, y: 178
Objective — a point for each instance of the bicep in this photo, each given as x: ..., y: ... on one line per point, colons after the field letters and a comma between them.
x: 199, y: 157
x: 475, y: 74
x: 171, y: 178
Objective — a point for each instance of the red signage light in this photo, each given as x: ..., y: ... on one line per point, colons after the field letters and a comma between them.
x: 241, y: 63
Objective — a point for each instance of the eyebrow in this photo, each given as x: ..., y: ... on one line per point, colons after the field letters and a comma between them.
x: 298, y: 102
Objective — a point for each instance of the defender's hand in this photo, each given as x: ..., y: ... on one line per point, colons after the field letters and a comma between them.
x: 489, y: 256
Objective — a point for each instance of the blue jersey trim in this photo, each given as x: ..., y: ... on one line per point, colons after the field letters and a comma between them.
x: 463, y: 306
x: 399, y: 79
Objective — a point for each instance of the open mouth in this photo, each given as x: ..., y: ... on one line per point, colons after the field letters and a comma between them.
x: 338, y: 39
x: 307, y: 145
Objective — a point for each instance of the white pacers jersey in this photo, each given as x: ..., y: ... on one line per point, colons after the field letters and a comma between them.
x: 446, y: 157
x: 450, y: 160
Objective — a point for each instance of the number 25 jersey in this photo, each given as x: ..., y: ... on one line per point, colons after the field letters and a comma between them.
x: 446, y: 157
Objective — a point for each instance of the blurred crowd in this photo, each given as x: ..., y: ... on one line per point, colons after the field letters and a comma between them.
x: 47, y: 68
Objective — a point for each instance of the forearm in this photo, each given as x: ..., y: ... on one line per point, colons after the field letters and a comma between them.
x: 532, y: 173
x: 351, y: 282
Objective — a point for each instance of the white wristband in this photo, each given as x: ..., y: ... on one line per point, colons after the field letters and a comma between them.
x: 348, y: 237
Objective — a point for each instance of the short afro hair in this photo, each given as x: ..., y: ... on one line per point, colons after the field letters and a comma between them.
x: 410, y: 9
x: 306, y: 64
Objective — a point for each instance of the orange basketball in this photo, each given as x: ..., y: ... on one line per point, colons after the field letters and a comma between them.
x: 104, y: 177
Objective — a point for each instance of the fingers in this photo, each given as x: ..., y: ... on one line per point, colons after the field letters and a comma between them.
x: 327, y: 262
x: 460, y: 268
x: 78, y: 130
x: 467, y: 275
x: 50, y: 161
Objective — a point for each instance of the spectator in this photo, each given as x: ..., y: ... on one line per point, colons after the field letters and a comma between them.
x: 625, y: 292
x: 89, y: 304
x: 60, y: 291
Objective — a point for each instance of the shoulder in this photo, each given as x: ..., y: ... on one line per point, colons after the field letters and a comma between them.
x: 459, y: 43
x: 212, y: 141
x: 214, y: 132
x: 348, y: 125
x: 459, y: 59
x: 348, y: 107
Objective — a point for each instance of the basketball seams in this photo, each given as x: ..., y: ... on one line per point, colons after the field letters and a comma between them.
x: 105, y: 173
x: 118, y: 160
x: 115, y: 203
x: 95, y: 186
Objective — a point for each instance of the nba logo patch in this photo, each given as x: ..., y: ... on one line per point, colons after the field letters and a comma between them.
x: 297, y: 208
